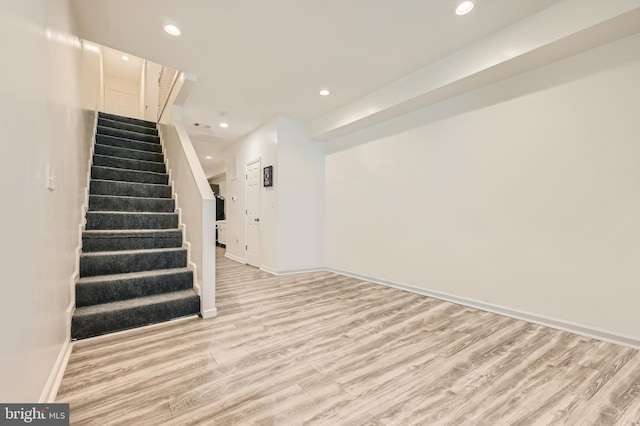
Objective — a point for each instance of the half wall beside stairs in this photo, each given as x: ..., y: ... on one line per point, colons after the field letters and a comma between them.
x: 133, y: 266
x: 194, y: 198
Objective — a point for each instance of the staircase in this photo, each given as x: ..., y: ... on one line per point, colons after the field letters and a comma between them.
x: 133, y: 269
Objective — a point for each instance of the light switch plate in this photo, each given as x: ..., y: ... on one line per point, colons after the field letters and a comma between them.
x: 50, y: 177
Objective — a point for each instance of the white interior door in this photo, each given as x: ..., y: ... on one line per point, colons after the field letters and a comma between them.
x: 252, y: 185
x: 121, y: 103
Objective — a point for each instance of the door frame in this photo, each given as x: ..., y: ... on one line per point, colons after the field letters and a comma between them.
x: 246, y: 216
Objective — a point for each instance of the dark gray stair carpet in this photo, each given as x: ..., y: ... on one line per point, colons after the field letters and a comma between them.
x: 104, y: 318
x: 128, y: 164
x: 129, y: 189
x: 116, y: 287
x: 131, y: 220
x: 133, y: 268
x: 117, y: 240
x: 133, y: 154
x: 127, y: 134
x: 129, y: 120
x: 130, y: 204
x: 126, y: 175
x: 122, y: 125
x: 128, y: 143
x: 122, y: 262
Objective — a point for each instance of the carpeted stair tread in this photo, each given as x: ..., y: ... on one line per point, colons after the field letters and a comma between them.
x: 106, y: 122
x: 99, y: 319
x: 121, y: 239
x: 130, y: 275
x: 126, y: 175
x: 130, y: 204
x: 124, y: 119
x: 130, y: 189
x: 128, y: 143
x: 123, y: 261
x: 130, y: 220
x: 150, y: 251
x: 156, y: 232
x: 112, y: 288
x: 127, y: 134
x: 128, y: 163
x: 132, y: 154
x: 136, y: 302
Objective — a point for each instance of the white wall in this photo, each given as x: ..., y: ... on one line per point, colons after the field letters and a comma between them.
x: 223, y: 188
x: 151, y: 91
x: 130, y: 87
x: 142, y: 98
x: 261, y: 144
x: 291, y: 211
x: 91, y: 77
x: 523, y: 194
x: 300, y: 198
x: 42, y: 124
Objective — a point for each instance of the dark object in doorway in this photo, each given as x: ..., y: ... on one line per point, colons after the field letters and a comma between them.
x: 220, y: 208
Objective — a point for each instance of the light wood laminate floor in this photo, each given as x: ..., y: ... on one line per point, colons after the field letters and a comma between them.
x: 321, y: 348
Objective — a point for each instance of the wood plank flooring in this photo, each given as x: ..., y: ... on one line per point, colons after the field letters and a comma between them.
x: 325, y: 349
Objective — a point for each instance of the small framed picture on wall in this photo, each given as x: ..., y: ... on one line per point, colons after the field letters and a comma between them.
x: 268, y: 176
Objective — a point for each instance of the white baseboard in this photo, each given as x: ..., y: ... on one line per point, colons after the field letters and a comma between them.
x: 269, y: 270
x: 274, y: 271
x: 70, y: 311
x: 50, y: 390
x: 291, y: 271
x: 236, y: 258
x: 210, y: 313
x: 571, y: 327
x: 197, y: 287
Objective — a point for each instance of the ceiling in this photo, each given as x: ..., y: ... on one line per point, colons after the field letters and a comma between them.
x: 257, y: 59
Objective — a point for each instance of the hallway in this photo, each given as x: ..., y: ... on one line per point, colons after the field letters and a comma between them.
x: 321, y: 348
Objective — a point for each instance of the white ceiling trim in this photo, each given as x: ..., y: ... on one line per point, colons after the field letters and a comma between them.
x: 543, y: 38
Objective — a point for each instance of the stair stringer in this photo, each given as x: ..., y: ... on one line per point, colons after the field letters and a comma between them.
x: 197, y: 285
x: 84, y: 208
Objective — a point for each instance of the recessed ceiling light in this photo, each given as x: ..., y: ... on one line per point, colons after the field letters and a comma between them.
x: 125, y: 58
x: 172, y: 30
x: 208, y: 157
x: 224, y: 124
x: 464, y: 7
x: 324, y: 92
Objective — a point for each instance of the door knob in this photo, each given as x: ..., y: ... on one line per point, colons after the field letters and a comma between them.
x: 257, y: 219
